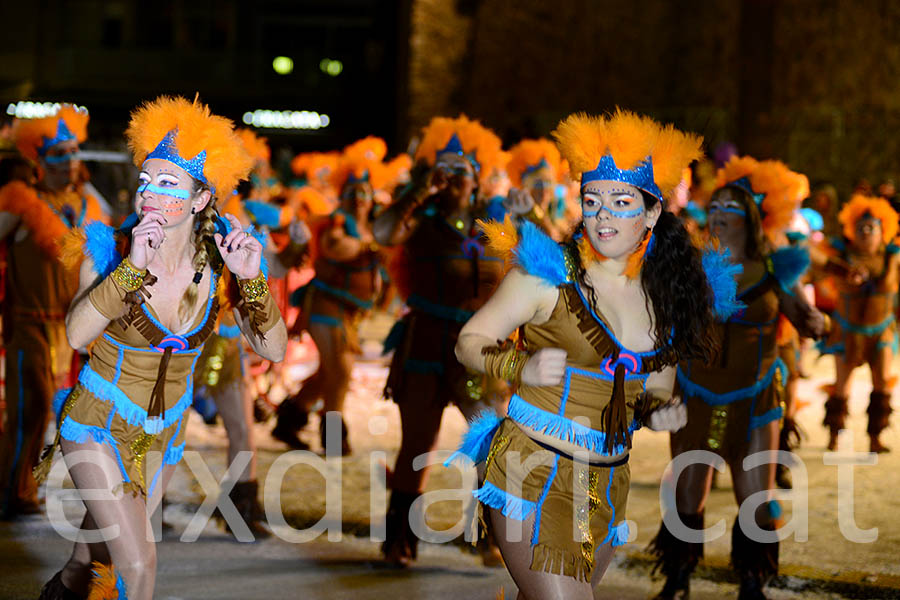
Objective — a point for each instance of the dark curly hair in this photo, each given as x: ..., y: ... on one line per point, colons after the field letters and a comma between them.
x: 676, y: 290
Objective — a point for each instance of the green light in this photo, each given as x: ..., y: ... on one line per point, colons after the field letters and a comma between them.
x: 283, y: 65
x: 331, y: 67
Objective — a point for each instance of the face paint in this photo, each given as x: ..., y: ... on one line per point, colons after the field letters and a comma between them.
x: 727, y: 209
x: 171, y: 192
x: 620, y: 214
x: 55, y: 159
x: 174, y: 208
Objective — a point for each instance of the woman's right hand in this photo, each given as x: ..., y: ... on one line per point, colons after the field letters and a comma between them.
x: 518, y: 202
x: 546, y: 367
x: 146, y: 238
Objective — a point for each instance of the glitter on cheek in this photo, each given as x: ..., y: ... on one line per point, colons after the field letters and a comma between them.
x: 174, y: 208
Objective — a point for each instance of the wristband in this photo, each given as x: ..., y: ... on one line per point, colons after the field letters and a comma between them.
x: 504, y: 361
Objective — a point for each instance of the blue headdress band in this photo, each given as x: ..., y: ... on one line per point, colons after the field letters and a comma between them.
x: 744, y: 184
x: 640, y: 176
x: 541, y: 165
x: 166, y: 150
x: 361, y: 179
x: 62, y: 135
x: 454, y: 146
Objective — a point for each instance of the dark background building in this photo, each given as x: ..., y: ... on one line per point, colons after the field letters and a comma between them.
x: 814, y: 83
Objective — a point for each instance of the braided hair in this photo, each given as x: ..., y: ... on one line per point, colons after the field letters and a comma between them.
x: 204, y: 228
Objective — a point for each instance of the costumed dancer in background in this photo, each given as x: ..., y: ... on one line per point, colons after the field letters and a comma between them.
x: 443, y: 271
x: 533, y: 168
x: 314, y: 170
x: 864, y: 267
x: 348, y: 280
x: 147, y: 301
x: 734, y: 404
x: 603, y: 320
x: 33, y: 220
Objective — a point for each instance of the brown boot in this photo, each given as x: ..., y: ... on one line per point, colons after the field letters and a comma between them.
x: 244, y: 496
x: 676, y: 558
x: 400, y: 546
x: 292, y: 417
x: 56, y: 590
x: 879, y: 417
x: 835, y: 418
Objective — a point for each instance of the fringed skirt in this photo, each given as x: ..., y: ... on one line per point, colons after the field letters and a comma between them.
x: 577, y: 508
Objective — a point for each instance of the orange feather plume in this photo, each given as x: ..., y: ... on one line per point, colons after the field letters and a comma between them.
x: 502, y: 237
x: 630, y: 139
x: 369, y: 148
x: 103, y: 584
x: 528, y: 154
x: 307, y: 202
x: 779, y: 184
x: 29, y: 134
x: 473, y: 136
x: 198, y: 130
x: 357, y: 165
x: 256, y: 146
x: 736, y: 168
x: 861, y: 205
x: 311, y: 164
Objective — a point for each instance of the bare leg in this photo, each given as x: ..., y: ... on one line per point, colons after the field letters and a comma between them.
x: 420, y: 421
x: 535, y: 585
x: 132, y: 555
x: 762, y: 478
x: 234, y: 405
x: 879, y: 410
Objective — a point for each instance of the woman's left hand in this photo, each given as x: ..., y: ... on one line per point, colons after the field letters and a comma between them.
x: 671, y: 416
x: 241, y: 251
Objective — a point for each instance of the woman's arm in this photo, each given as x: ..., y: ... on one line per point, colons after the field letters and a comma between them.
x: 337, y: 245
x: 273, y: 345
x: 520, y: 299
x: 84, y: 323
x: 808, y: 321
x: 663, y: 412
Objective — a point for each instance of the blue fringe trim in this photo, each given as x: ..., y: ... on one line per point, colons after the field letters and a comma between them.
x: 619, y: 534
x: 80, y: 433
x: 824, y: 348
x: 689, y: 388
x: 394, y: 337
x: 229, y: 331
x: 100, y: 247
x: 476, y: 442
x: 788, y: 264
x: 59, y: 398
x: 440, y: 311
x: 540, y: 256
x: 722, y: 274
x: 562, y: 428
x: 131, y: 412
x: 341, y: 294
x: 767, y: 417
x: 174, y: 454
x: 512, y: 507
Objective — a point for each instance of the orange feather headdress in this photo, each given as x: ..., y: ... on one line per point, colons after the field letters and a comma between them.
x: 461, y: 135
x: 256, y: 146
x: 35, y: 136
x: 189, y: 136
x: 776, y: 190
x: 529, y: 155
x: 878, y: 208
x: 314, y: 164
x: 358, y: 169
x: 369, y: 148
x: 626, y: 147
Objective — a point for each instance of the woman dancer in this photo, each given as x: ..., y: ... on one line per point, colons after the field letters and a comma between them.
x: 735, y: 404
x: 604, y: 319
x: 147, y: 300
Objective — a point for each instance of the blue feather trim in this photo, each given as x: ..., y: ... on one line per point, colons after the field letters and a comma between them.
x: 788, y: 264
x: 562, y: 428
x: 59, y: 398
x: 722, y: 274
x: 838, y: 244
x: 120, y: 587
x: 263, y: 213
x: 767, y: 417
x: 512, y: 507
x: 476, y: 442
x: 100, y: 247
x: 540, y: 256
x: 127, y: 409
x: 689, y: 388
x: 619, y: 534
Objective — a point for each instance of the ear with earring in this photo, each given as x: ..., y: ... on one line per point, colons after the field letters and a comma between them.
x: 193, y: 210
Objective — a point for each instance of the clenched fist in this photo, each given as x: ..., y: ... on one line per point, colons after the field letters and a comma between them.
x: 671, y: 416
x: 546, y: 367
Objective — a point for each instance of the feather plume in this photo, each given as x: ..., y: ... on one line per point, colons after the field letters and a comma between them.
x: 472, y: 135
x: 198, y: 130
x: 256, y: 146
x: 878, y: 208
x: 502, y: 237
x: 721, y: 275
x: 29, y: 134
x: 528, y: 154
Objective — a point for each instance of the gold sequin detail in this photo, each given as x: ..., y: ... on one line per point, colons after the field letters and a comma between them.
x: 475, y: 386
x: 497, y: 446
x: 139, y: 448
x: 254, y: 289
x: 215, y: 361
x: 128, y: 276
x: 717, y: 423
x: 69, y: 404
x: 589, y: 482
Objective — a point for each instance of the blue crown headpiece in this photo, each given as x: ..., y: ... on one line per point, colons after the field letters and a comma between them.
x: 454, y: 146
x: 166, y: 150
x: 361, y: 179
x: 641, y: 176
x: 63, y: 134
x: 536, y: 167
x: 744, y: 184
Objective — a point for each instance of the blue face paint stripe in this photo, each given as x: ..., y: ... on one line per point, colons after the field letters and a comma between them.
x: 172, y: 192
x: 57, y: 159
x: 734, y: 211
x: 621, y: 214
